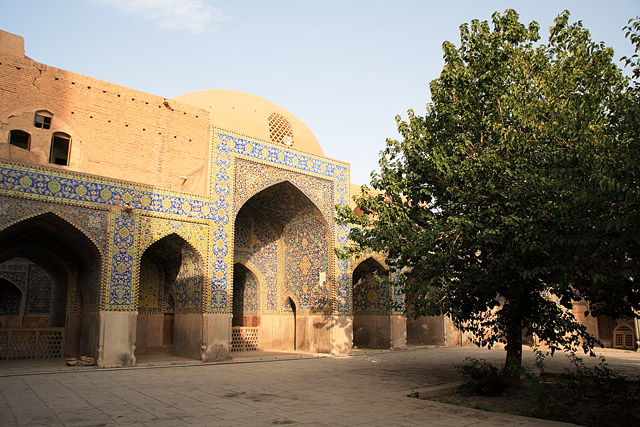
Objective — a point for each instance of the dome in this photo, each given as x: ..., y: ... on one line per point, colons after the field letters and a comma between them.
x: 255, y: 117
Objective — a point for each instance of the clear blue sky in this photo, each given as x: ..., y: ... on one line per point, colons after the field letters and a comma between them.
x: 345, y: 67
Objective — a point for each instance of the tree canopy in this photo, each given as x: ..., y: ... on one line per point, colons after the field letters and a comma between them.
x: 517, y: 192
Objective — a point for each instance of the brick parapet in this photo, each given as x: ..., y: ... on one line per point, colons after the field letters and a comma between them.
x: 116, y: 132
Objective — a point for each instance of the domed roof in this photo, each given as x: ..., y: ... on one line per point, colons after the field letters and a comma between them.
x: 255, y: 117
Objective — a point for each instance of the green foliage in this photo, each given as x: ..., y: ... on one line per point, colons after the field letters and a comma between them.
x: 481, y: 378
x: 517, y: 192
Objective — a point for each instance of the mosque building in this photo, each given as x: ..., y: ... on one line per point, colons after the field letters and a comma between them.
x: 132, y: 224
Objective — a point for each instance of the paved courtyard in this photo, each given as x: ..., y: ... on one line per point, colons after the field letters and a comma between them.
x: 368, y: 388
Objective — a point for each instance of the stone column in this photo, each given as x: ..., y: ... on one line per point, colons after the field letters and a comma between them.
x: 116, y: 338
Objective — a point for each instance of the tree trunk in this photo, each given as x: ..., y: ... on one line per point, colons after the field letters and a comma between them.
x: 513, y: 362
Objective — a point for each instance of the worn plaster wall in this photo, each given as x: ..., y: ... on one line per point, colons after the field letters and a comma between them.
x: 187, y: 335
x: 371, y: 331
x: 433, y: 330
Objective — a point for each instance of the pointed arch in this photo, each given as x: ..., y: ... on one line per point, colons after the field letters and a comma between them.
x: 368, y: 255
x: 72, y: 216
x: 177, y: 293
x: 251, y: 178
x: 254, y: 269
x: 369, y: 295
x: 183, y: 271
x: 371, y: 305
x: 247, y: 301
x: 75, y: 264
x: 62, y: 249
x: 287, y: 300
x: 150, y: 230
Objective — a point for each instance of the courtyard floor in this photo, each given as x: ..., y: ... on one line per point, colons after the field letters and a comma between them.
x: 257, y: 389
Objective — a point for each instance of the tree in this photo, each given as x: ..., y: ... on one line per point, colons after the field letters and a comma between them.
x: 517, y: 193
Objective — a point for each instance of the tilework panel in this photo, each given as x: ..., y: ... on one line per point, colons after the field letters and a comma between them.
x: 39, y: 291
x: 171, y: 304
x: 119, y: 292
x: 92, y: 223
x: 256, y: 244
x: 265, y: 257
x: 33, y: 281
x: 397, y: 296
x: 306, y: 257
x: 150, y: 288
x: 55, y: 185
x: 16, y: 264
x: 188, y: 283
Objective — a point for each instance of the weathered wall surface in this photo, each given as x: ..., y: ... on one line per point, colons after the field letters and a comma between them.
x: 371, y: 331
x: 433, y: 330
x: 150, y: 140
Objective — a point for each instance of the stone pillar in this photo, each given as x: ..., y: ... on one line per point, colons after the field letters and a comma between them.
x: 398, y: 330
x: 116, y: 338
x: 341, y: 334
x: 216, y: 337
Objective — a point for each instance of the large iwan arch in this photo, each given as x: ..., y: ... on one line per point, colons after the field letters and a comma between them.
x: 286, y: 237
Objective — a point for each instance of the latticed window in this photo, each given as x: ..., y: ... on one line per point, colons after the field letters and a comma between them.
x: 280, y: 130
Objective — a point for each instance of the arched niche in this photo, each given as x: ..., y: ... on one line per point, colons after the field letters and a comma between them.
x: 170, y: 283
x: 73, y: 263
x: 286, y: 237
x: 371, y: 304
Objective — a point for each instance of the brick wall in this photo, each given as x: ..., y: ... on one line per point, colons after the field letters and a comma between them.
x: 115, y: 132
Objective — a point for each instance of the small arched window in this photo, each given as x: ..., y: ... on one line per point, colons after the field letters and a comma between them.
x: 20, y: 139
x: 60, y: 149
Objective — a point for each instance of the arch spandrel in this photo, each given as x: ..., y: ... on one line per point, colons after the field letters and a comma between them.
x: 151, y: 230
x: 90, y: 222
x: 63, y: 250
x: 367, y: 255
x: 251, y: 178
